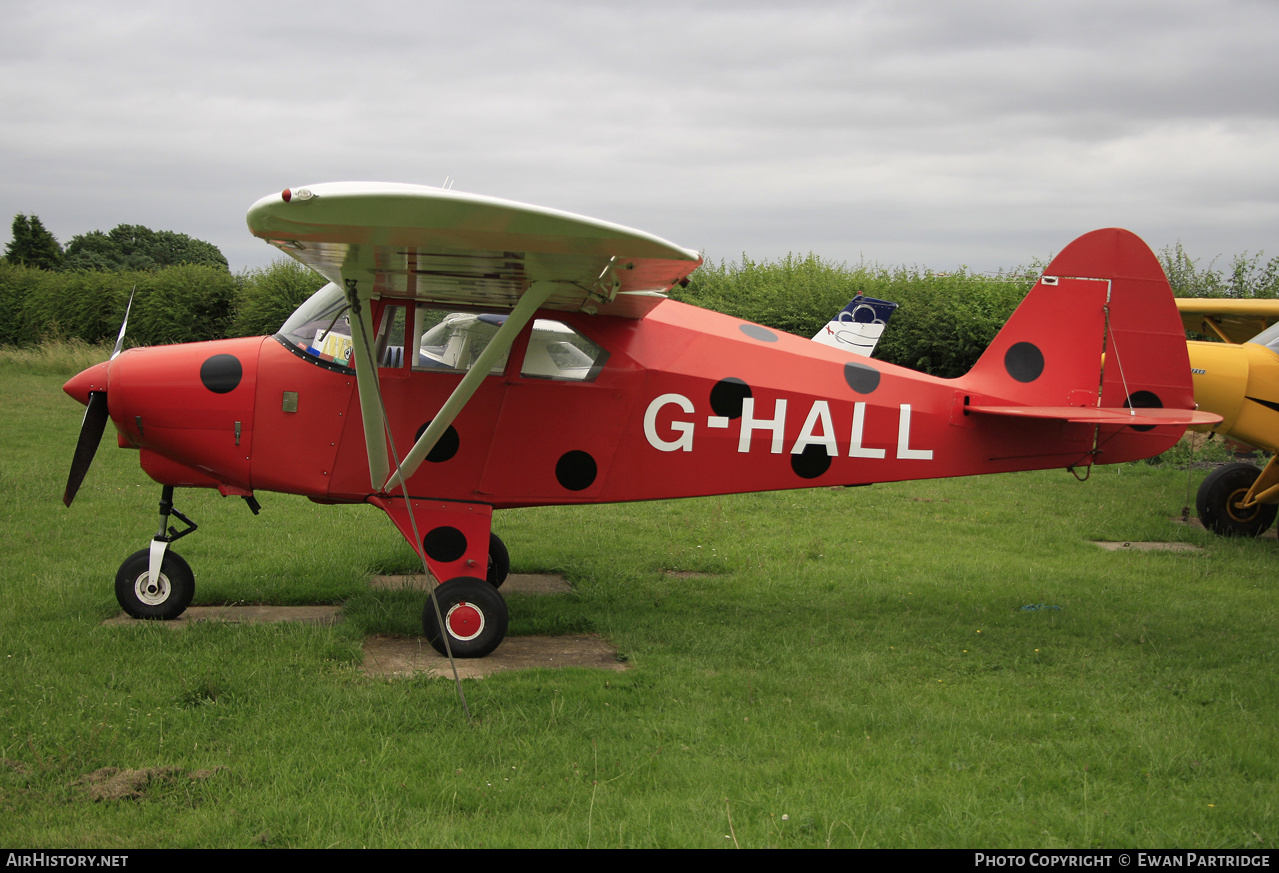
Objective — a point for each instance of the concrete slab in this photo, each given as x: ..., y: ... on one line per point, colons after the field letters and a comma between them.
x: 1150, y: 547
x: 521, y: 583
x: 404, y: 657
x: 305, y: 614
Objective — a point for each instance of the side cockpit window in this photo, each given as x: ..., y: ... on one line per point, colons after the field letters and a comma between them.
x: 451, y: 342
x: 436, y: 340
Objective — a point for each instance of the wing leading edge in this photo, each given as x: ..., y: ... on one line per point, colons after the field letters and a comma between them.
x: 437, y: 245
x: 1231, y: 321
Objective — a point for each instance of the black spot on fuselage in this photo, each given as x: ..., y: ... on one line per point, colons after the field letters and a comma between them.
x: 1024, y: 361
x: 754, y: 331
x: 445, y: 544
x: 727, y: 397
x: 445, y: 447
x: 862, y: 378
x: 221, y: 374
x: 576, y: 470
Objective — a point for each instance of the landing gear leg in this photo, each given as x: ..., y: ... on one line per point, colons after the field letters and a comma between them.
x: 155, y: 582
x: 457, y: 544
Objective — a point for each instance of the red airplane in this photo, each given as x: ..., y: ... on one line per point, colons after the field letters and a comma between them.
x: 473, y: 354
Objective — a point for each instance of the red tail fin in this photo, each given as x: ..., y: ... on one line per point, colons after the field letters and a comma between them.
x: 1099, y: 329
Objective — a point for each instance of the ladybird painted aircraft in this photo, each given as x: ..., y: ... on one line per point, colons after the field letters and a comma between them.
x: 474, y: 354
x: 1238, y: 379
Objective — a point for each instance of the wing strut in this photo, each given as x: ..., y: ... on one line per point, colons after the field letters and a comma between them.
x: 366, y: 381
x: 529, y: 303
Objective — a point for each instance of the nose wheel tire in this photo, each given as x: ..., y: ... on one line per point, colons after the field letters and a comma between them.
x: 1219, y: 503
x: 474, y: 615
x: 499, y: 561
x: 164, y: 598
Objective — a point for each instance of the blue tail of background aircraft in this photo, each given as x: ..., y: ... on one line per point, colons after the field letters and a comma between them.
x: 858, y: 326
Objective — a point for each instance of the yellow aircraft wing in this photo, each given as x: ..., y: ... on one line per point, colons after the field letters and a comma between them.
x: 1231, y: 321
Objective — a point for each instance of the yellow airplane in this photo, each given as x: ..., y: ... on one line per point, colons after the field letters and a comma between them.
x: 1238, y: 379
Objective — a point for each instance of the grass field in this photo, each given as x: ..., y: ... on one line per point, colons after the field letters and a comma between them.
x: 858, y: 667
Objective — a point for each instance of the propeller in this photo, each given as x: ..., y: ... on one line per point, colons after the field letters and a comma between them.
x: 95, y: 421
x: 119, y: 340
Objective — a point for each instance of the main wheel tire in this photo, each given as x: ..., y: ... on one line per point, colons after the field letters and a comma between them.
x: 499, y: 561
x: 474, y: 614
x: 1218, y: 503
x: 165, y: 598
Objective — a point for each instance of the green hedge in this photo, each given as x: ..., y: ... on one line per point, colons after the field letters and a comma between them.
x: 942, y: 324
x: 174, y: 305
x: 268, y: 296
x: 187, y: 303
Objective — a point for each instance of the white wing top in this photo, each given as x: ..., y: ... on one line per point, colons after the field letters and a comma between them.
x: 438, y: 245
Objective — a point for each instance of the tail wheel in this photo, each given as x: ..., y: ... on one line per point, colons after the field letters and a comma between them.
x: 164, y: 598
x: 1220, y: 503
x: 499, y: 561
x: 474, y: 614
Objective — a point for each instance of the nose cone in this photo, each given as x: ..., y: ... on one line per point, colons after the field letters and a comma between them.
x: 82, y: 384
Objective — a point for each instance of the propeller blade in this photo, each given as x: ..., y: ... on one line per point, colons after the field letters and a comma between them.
x: 119, y: 341
x: 95, y: 422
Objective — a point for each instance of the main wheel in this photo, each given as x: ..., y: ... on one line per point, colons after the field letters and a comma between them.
x: 474, y: 614
x: 164, y: 598
x: 1219, y: 498
x: 499, y: 561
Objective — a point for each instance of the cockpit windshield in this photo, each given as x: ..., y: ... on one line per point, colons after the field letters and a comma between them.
x: 1268, y: 338
x: 320, y: 327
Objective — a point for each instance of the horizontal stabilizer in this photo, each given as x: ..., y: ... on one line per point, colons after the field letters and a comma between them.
x: 1096, y: 415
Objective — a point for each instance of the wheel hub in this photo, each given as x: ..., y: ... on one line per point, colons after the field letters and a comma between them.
x: 1237, y: 511
x: 152, y: 593
x: 465, y: 621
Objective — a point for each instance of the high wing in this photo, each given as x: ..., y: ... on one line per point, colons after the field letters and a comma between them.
x: 438, y: 245
x: 376, y: 239
x: 1231, y: 321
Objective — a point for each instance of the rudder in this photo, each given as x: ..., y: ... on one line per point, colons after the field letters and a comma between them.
x: 1099, y: 329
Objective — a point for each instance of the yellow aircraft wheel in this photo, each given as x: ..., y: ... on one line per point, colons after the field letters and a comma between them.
x: 1220, y: 499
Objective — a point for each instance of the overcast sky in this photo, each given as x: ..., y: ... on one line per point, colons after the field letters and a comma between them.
x: 982, y: 132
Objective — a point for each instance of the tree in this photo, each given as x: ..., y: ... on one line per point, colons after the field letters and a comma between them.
x: 32, y: 245
x: 134, y: 247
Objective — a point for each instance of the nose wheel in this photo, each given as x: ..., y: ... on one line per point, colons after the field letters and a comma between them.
x: 163, y: 598
x: 155, y: 582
